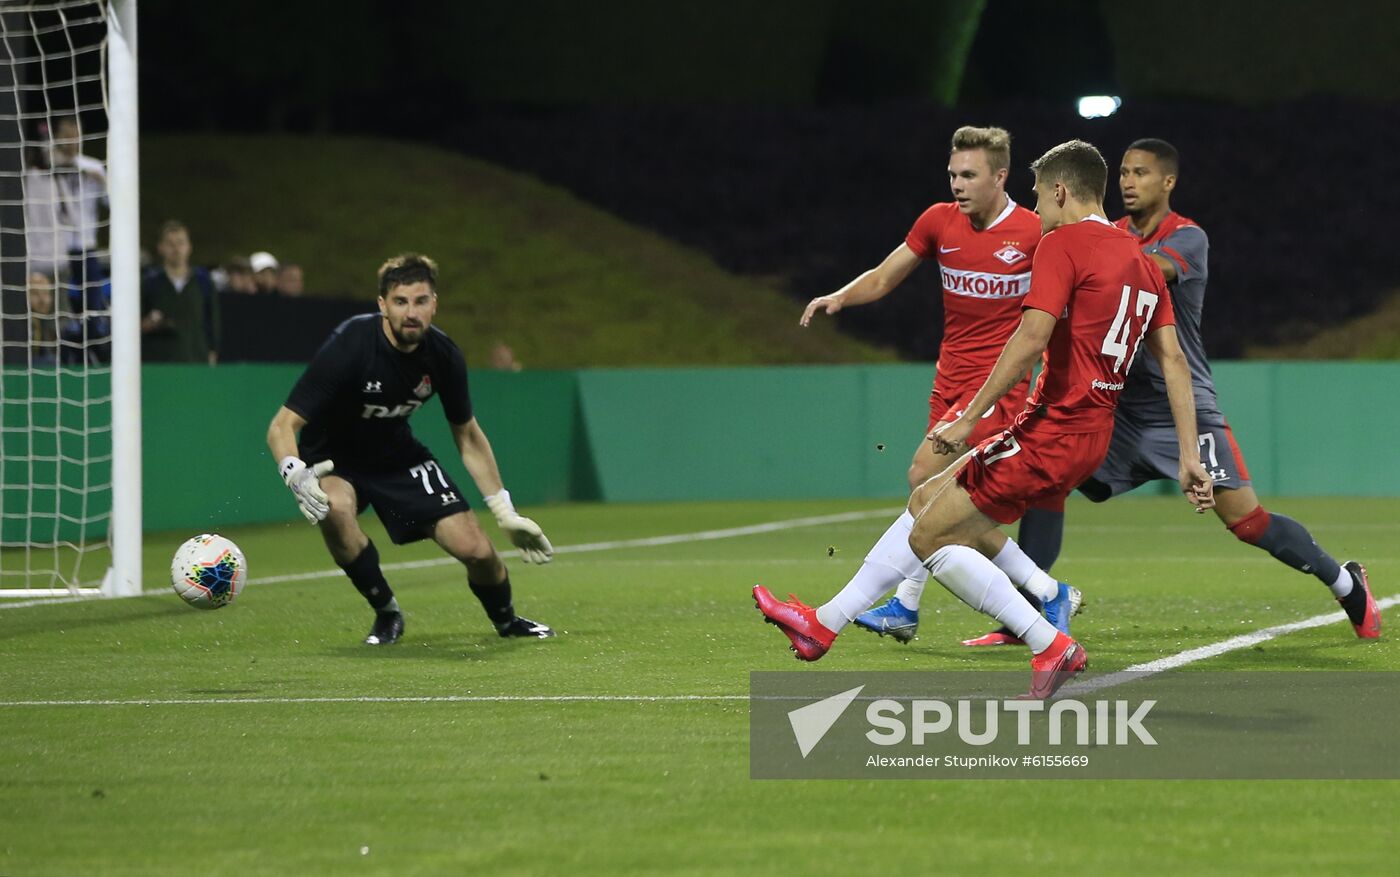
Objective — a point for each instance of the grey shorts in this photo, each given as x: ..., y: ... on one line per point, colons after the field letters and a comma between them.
x: 1140, y: 453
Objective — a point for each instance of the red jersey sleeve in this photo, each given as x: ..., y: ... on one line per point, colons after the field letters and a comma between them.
x: 1052, y: 277
x: 1164, y: 314
x: 923, y: 237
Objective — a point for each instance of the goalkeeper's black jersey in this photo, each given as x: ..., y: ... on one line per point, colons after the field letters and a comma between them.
x: 359, y: 391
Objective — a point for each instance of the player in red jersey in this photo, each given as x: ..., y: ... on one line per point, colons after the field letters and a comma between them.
x: 1094, y: 299
x: 983, y: 243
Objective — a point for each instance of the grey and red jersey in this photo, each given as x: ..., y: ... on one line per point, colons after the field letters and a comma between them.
x: 1184, y: 243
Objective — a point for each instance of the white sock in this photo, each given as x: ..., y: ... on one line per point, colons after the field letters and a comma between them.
x: 889, y: 562
x: 1343, y: 585
x: 910, y: 591
x: 980, y: 584
x: 1024, y: 574
x: 870, y: 583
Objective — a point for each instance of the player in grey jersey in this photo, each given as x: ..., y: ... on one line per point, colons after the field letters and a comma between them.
x: 1144, y: 446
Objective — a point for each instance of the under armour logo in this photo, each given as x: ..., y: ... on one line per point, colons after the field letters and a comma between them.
x: 372, y: 386
x: 449, y: 498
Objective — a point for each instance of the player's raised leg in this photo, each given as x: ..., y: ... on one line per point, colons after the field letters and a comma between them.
x: 947, y: 527
x: 1057, y: 601
x: 354, y: 552
x: 899, y: 616
x: 1026, y: 561
x: 461, y: 536
x: 948, y: 524
x: 889, y: 562
x: 812, y: 631
x: 1042, y: 526
x: 1291, y: 543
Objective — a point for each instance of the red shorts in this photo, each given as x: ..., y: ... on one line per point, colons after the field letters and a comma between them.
x: 1024, y: 467
x: 946, y: 405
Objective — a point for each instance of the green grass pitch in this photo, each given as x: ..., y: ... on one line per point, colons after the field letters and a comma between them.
x: 309, y: 780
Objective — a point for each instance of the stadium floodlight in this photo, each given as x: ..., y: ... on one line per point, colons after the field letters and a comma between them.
x: 70, y: 367
x: 1098, y: 106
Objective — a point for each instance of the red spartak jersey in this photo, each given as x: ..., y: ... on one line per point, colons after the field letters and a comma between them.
x: 1108, y: 296
x: 985, y: 275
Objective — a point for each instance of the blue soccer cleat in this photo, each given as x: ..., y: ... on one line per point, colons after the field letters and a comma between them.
x: 1065, y: 603
x: 893, y: 618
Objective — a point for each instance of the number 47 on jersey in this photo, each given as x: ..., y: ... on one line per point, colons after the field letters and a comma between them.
x: 1115, y: 343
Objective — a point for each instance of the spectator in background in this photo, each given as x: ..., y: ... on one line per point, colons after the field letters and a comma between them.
x: 43, y: 321
x: 238, y: 277
x: 179, y: 311
x: 503, y: 358
x: 86, y: 328
x: 63, y: 194
x: 289, y: 281
x: 264, y: 266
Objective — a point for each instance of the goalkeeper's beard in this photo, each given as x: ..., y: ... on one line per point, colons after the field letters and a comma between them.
x: 402, y: 336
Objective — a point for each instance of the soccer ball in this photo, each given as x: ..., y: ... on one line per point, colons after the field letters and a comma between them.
x: 208, y: 571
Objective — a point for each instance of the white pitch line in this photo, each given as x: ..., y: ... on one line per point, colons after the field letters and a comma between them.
x: 648, y: 542
x: 1088, y: 686
x: 437, y: 698
x: 1202, y: 653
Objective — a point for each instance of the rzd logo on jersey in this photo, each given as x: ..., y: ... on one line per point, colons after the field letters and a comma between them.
x: 383, y: 411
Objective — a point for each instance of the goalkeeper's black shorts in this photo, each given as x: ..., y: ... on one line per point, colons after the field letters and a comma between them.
x: 409, y: 500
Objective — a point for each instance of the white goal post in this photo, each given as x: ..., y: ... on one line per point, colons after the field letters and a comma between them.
x: 70, y: 285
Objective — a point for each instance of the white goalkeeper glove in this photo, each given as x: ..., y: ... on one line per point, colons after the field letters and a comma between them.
x: 524, y: 533
x: 305, y: 484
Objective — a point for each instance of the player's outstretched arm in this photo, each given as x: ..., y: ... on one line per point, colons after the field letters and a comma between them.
x: 873, y: 285
x: 1026, y: 344
x: 1167, y: 267
x: 480, y: 461
x: 304, y: 482
x: 1195, y: 482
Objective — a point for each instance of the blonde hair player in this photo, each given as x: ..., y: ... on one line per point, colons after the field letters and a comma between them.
x: 1094, y: 301
x: 983, y: 244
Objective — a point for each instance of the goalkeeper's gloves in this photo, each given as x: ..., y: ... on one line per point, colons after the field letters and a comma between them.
x: 305, y: 484
x: 524, y: 533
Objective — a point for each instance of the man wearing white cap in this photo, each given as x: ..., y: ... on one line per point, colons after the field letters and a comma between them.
x: 265, y: 267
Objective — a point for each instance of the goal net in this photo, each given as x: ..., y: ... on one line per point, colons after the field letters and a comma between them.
x: 69, y: 300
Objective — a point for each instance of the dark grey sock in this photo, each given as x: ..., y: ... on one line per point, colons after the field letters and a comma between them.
x: 368, y: 578
x: 1291, y: 543
x: 495, y: 599
x: 1041, y: 535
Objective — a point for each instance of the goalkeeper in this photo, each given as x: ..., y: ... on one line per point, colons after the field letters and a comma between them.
x: 351, y: 408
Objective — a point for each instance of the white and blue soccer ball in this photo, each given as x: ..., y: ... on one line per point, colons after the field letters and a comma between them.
x: 208, y: 571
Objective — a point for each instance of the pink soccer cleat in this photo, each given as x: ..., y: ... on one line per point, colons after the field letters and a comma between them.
x: 810, y: 639
x: 1055, y: 666
x: 1370, y: 625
